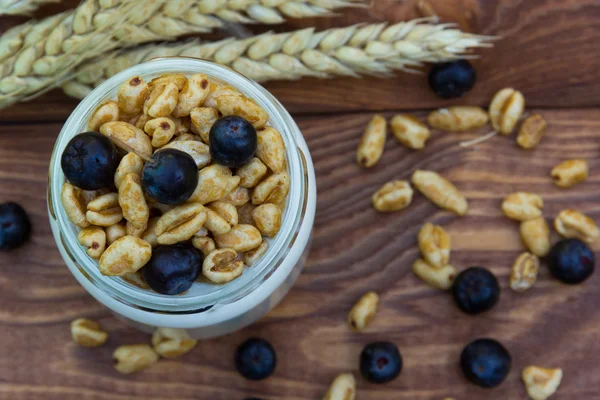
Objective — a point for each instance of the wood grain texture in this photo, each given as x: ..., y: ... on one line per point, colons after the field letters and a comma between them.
x: 547, y: 48
x: 549, y: 51
x: 355, y: 249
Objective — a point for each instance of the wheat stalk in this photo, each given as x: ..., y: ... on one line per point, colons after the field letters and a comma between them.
x: 37, y: 56
x: 22, y: 7
x: 376, y: 49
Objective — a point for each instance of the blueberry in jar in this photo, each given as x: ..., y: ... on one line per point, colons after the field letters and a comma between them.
x: 173, y: 269
x: 170, y: 177
x: 452, y: 79
x: 90, y: 161
x: 15, y: 227
x: 475, y: 290
x: 571, y: 261
x: 485, y: 362
x: 255, y: 359
x: 232, y: 141
x: 380, y: 362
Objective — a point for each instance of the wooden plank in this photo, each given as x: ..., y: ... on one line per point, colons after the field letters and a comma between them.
x: 548, y: 50
x: 354, y: 250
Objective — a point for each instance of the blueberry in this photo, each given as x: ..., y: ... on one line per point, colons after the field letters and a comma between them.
x: 571, y: 261
x: 452, y: 79
x: 14, y: 226
x: 173, y: 269
x: 485, y: 362
x: 380, y: 362
x: 255, y: 359
x: 475, y: 290
x: 171, y: 177
x: 90, y: 161
x: 233, y: 141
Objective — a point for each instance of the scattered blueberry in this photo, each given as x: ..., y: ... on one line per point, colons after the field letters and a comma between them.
x: 485, y: 362
x: 173, y: 269
x: 452, y: 79
x: 475, y: 290
x: 233, y: 141
x: 90, y: 161
x: 255, y: 359
x: 571, y: 261
x: 380, y: 362
x: 171, y: 177
x: 14, y: 226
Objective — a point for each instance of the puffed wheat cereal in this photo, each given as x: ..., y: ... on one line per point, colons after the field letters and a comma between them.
x: 126, y: 255
x: 524, y: 272
x: 104, y: 210
x: 213, y: 182
x: 434, y: 244
x: 569, y: 173
x: 215, y: 223
x: 409, y: 131
x: 162, y: 100
x: 115, y: 232
x: 197, y: 150
x: 541, y: 383
x: 71, y: 200
x: 251, y: 257
x: 94, y: 238
x: 575, y: 224
x: 205, y: 244
x: 227, y: 211
x: 440, y: 278
x: 440, y: 191
x: 273, y: 189
x: 192, y: 95
x: 241, y: 238
x: 178, y: 80
x: 371, y: 146
x: 106, y: 112
x: 232, y: 104
x: 536, y: 236
x: 238, y: 197
x: 128, y: 134
x: 130, y: 163
x: 458, y: 118
x: 363, y: 311
x: 132, y: 95
x: 88, y: 333
x: 531, y: 132
x: 222, y: 266
x: 180, y: 223
x: 270, y: 149
x: 523, y: 206
x: 172, y: 343
x: 267, y: 218
x: 203, y: 119
x: 393, y: 196
x: 133, y: 202
x: 134, y: 357
x: 343, y: 387
x: 506, y: 109
x: 161, y: 130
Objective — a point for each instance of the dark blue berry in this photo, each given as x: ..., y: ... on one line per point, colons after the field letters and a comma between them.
x: 380, y: 362
x: 89, y: 161
x: 171, y: 177
x: 571, y: 261
x: 452, y: 79
x: 255, y: 359
x: 173, y: 269
x: 485, y: 362
x: 475, y: 290
x: 233, y: 141
x: 14, y: 226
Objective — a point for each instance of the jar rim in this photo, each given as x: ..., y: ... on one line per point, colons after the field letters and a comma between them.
x: 193, y: 300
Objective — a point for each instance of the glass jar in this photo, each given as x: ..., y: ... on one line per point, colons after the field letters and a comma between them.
x: 206, y: 310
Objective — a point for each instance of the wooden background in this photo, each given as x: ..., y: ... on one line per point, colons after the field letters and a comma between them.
x: 550, y: 51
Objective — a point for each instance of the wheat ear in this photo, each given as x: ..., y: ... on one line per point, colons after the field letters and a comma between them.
x: 37, y: 56
x: 22, y: 7
x: 376, y: 49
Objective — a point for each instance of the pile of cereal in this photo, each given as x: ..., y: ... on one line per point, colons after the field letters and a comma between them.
x: 203, y: 183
